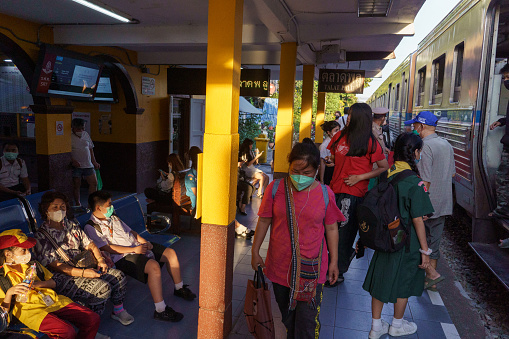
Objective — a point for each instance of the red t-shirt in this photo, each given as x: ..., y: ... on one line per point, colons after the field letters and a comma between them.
x: 346, y: 166
x: 310, y: 213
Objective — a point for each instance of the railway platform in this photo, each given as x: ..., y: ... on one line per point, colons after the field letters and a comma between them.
x: 345, y: 310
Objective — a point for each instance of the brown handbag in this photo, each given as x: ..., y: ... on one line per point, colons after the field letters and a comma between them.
x: 257, y: 307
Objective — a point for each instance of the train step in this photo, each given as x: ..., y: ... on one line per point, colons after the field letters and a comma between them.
x: 503, y: 223
x: 496, y: 258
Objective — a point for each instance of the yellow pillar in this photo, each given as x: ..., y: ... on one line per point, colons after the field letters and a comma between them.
x: 307, y: 102
x: 284, y: 128
x: 220, y: 153
x: 320, y: 117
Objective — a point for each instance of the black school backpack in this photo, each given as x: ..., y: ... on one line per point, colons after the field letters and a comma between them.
x: 380, y: 224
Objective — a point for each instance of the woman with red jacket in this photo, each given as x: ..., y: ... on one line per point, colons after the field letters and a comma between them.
x: 354, y: 151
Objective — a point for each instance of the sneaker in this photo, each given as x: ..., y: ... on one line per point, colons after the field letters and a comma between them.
x: 377, y: 334
x: 123, y: 317
x: 101, y: 336
x: 406, y: 328
x: 168, y: 315
x: 185, y: 293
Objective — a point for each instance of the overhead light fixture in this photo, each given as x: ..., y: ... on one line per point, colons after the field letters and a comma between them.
x: 373, y: 8
x: 103, y: 10
x: 7, y: 60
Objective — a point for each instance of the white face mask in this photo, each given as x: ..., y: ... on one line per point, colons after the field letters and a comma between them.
x: 21, y: 259
x: 79, y: 134
x: 57, y: 216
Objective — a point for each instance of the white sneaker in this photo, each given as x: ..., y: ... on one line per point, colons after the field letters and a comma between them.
x: 406, y: 328
x: 378, y: 334
x: 123, y: 317
x: 101, y: 336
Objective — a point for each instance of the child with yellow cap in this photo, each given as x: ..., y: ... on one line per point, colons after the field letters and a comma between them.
x: 44, y: 310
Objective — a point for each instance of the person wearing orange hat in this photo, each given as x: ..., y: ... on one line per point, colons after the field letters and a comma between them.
x: 44, y: 310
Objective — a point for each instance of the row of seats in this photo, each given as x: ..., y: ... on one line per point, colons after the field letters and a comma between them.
x: 23, y: 213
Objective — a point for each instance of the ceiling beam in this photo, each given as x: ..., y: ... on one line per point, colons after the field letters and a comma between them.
x: 152, y: 35
x: 275, y: 17
x: 330, y: 34
x: 179, y: 57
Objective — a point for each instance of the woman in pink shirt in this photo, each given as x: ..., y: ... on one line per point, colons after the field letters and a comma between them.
x: 297, y: 260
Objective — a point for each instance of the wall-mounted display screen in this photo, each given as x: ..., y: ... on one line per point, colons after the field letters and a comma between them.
x: 106, y: 91
x: 66, y: 74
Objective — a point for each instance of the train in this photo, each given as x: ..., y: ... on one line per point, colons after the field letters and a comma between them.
x: 454, y: 73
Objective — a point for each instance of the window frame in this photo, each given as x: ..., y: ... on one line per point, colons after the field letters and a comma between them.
x: 455, y: 92
x: 436, y: 98
x: 421, y: 75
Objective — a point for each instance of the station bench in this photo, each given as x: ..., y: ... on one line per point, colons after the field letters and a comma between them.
x: 23, y: 213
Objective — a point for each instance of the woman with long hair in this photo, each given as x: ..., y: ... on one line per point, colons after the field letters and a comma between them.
x: 394, y: 277
x: 297, y: 260
x: 354, y: 151
x: 247, y: 159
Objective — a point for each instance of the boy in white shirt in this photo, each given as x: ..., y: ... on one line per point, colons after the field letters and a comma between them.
x: 330, y: 128
x: 134, y: 255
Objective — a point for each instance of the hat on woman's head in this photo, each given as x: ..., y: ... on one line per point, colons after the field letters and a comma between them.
x: 16, y: 238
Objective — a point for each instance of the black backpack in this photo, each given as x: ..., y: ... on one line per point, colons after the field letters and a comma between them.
x: 380, y: 224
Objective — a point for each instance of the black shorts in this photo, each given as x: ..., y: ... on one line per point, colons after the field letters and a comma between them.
x: 134, y: 264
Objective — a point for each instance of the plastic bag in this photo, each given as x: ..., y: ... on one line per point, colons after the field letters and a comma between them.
x: 99, y: 180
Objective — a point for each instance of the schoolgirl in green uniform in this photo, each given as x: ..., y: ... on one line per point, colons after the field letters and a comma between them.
x: 394, y: 277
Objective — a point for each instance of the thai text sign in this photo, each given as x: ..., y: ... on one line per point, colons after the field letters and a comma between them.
x: 255, y: 82
x: 192, y: 81
x: 341, y: 81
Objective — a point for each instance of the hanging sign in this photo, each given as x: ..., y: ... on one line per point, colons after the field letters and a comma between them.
x: 341, y: 81
x: 193, y: 81
x: 148, y: 86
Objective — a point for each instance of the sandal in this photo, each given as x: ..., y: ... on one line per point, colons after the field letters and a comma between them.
x: 259, y: 195
x: 428, y: 285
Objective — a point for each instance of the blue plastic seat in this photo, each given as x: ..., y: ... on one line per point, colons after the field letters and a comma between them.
x: 14, y: 216
x: 128, y: 209
x: 33, y: 202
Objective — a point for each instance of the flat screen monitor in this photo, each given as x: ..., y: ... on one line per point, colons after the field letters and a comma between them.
x: 106, y: 91
x: 66, y: 74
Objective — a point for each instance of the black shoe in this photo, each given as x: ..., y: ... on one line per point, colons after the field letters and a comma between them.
x: 185, y: 293
x: 251, y: 233
x: 246, y: 235
x: 168, y: 315
x: 339, y: 281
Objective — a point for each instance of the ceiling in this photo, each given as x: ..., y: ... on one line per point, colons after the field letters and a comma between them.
x: 175, y: 31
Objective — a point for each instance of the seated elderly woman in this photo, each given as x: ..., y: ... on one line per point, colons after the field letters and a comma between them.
x: 162, y: 193
x: 61, y: 243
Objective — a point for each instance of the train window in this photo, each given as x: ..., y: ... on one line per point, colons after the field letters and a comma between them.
x: 403, y: 92
x: 389, y: 97
x: 396, y: 98
x: 457, y: 71
x: 422, y: 84
x: 437, y: 82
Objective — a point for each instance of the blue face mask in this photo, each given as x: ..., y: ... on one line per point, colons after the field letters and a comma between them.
x: 109, y: 212
x: 10, y: 156
x: 417, y: 160
x: 301, y: 182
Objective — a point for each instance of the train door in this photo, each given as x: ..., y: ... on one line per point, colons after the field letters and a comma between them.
x: 197, y: 123
x: 492, y: 105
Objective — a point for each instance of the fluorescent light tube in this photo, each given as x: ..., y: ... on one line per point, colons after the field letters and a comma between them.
x: 102, y: 10
x: 7, y: 60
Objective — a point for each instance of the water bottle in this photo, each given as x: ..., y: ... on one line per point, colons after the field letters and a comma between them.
x: 29, y: 280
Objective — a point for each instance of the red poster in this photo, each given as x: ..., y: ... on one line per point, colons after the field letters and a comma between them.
x: 46, y: 71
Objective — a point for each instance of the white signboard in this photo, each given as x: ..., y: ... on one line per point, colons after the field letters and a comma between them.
x: 85, y: 116
x: 60, y: 128
x: 148, y: 86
